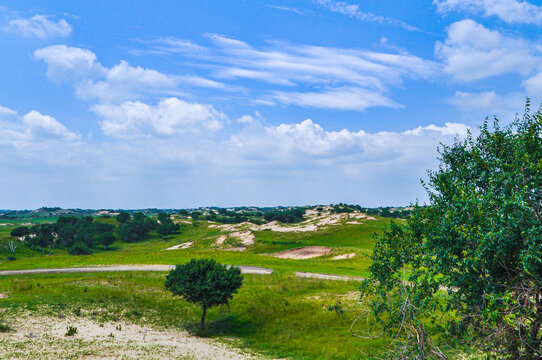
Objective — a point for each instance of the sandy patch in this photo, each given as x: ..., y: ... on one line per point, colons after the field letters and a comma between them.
x: 44, y: 338
x: 306, y: 252
x: 3, y: 296
x: 237, y: 248
x: 221, y: 240
x: 185, y: 245
x: 344, y: 256
x: 312, y: 222
x: 246, y: 237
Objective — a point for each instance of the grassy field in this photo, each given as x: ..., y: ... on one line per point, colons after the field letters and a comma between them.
x: 342, y: 238
x: 277, y: 315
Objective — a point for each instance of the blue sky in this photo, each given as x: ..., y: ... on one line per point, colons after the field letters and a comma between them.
x: 172, y: 104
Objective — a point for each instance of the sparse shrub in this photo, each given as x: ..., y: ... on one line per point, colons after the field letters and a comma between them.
x: 70, y: 330
x: 77, y: 312
x: 19, y: 285
x: 4, y: 328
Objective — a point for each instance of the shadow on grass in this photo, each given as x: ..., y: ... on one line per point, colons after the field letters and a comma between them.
x: 229, y: 325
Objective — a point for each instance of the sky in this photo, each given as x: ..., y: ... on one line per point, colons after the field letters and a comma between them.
x: 181, y: 104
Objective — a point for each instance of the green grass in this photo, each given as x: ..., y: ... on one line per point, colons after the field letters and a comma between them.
x: 278, y: 315
x: 342, y: 238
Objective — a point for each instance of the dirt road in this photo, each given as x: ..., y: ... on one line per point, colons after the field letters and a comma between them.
x: 118, y: 268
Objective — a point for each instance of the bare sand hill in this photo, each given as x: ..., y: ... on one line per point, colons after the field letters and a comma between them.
x: 306, y: 252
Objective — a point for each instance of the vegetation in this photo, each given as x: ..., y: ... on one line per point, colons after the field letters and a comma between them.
x: 287, y: 216
x: 204, y: 282
x: 136, y: 229
x: 480, y: 239
x: 166, y: 226
x: 67, y: 232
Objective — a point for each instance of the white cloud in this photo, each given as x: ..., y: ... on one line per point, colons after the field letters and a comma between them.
x: 173, y: 159
x: 306, y: 142
x: 476, y: 106
x: 511, y: 11
x: 39, y: 26
x: 170, y: 117
x: 533, y: 85
x: 467, y: 101
x: 123, y: 81
x: 45, y: 126
x: 249, y: 119
x: 472, y: 52
x: 66, y: 63
x: 346, y: 98
x: 33, y: 129
x: 324, y: 70
x: 4, y: 111
x: 115, y: 84
x: 353, y: 11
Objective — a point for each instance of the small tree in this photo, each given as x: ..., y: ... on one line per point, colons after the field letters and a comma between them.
x: 204, y: 282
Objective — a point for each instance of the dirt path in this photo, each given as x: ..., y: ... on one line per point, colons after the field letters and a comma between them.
x: 118, y: 268
x: 302, y: 274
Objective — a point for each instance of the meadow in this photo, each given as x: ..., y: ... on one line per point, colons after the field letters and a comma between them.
x: 275, y: 316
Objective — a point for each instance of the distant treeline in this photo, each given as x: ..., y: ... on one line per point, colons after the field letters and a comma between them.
x: 80, y: 234
x: 224, y: 216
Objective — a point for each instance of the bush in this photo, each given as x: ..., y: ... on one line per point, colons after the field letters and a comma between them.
x: 79, y: 249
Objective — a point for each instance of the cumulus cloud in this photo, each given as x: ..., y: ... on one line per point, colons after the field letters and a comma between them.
x: 511, y: 11
x: 171, y: 116
x: 249, y: 119
x: 39, y: 26
x: 533, y: 85
x: 93, y: 81
x: 308, y: 141
x: 34, y: 128
x: 473, y: 52
x: 67, y: 63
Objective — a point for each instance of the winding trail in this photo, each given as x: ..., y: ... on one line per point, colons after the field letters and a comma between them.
x: 118, y: 268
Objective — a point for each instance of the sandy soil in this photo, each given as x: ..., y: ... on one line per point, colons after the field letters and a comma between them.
x: 313, y: 222
x: 221, y: 239
x: 327, y: 277
x: 181, y: 246
x: 40, y: 337
x: 306, y: 252
x: 344, y: 256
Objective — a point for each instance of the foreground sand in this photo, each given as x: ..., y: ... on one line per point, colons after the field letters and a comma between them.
x: 41, y: 337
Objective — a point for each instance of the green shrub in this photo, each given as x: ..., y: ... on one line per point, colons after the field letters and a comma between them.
x: 79, y: 249
x: 71, y: 330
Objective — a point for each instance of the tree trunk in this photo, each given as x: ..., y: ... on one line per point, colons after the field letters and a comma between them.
x: 203, y: 317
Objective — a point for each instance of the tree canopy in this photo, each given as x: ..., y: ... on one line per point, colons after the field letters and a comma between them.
x: 204, y: 282
x: 480, y: 239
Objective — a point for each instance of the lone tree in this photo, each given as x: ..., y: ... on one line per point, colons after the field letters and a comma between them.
x: 480, y: 238
x: 204, y: 282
